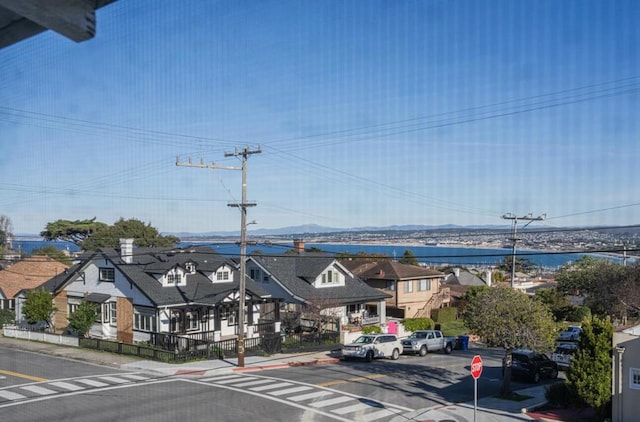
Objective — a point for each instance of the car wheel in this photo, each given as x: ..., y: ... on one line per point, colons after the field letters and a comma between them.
x: 448, y: 348
x: 423, y: 351
x: 554, y: 373
x: 395, y: 354
x: 536, y: 377
x: 369, y: 356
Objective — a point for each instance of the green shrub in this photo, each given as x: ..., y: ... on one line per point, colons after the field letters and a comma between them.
x: 578, y: 313
x: 371, y: 329
x: 414, y: 324
x: 444, y: 314
x: 7, y: 317
x: 561, y: 395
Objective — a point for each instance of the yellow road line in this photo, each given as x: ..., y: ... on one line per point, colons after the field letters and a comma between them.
x: 336, y: 382
x: 28, y: 377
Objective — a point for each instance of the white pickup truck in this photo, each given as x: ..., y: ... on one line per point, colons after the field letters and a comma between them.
x: 422, y: 342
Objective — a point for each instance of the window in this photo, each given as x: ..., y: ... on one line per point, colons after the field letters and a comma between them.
x: 223, y: 275
x: 144, y: 321
x: 424, y: 285
x: 391, y: 285
x: 107, y: 274
x: 330, y: 277
x: 190, y: 267
x: 193, y: 321
x: 254, y: 274
x: 408, y: 286
x: 99, y: 313
x: 174, y: 279
x: 634, y: 378
x: 112, y: 313
x: 72, y: 307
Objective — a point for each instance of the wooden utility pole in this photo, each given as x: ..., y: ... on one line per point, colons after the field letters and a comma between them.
x: 515, y: 219
x: 245, y: 153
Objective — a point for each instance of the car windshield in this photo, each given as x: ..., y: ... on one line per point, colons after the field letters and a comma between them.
x: 364, y: 340
x: 418, y: 335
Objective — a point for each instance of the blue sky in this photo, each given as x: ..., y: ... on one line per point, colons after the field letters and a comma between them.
x: 369, y: 113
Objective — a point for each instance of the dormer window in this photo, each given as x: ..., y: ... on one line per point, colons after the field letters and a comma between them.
x: 331, y: 277
x: 222, y: 275
x: 190, y: 267
x: 173, y: 279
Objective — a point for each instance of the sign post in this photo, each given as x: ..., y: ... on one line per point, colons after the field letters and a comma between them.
x: 476, y: 370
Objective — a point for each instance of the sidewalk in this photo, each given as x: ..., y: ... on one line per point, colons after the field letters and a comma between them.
x: 489, y: 409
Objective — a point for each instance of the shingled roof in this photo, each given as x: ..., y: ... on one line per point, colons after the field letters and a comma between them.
x: 388, y: 270
x: 29, y: 273
x: 147, y: 263
x: 296, y: 273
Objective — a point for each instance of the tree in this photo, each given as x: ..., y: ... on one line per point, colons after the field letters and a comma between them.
x: 81, y: 320
x: 91, y: 235
x: 144, y: 235
x: 54, y: 253
x: 523, y: 265
x: 510, y: 319
x: 6, y: 232
x: 589, y: 375
x: 409, y: 258
x: 557, y: 302
x: 581, y: 276
x: 38, y: 307
x: 71, y: 231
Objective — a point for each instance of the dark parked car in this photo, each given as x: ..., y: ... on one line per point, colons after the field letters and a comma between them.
x: 533, y: 365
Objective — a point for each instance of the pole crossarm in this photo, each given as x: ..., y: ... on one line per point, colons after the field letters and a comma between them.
x: 530, y: 218
x: 203, y: 165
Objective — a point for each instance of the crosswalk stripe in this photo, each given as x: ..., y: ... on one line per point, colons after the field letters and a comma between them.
x: 9, y: 395
x: 230, y: 380
x: 290, y: 390
x: 92, y: 383
x: 351, y: 409
x: 271, y: 386
x: 114, y: 380
x: 252, y: 382
x: 38, y: 390
x: 330, y: 402
x: 223, y: 377
x: 66, y: 386
x: 379, y: 414
x: 135, y: 377
x: 308, y: 396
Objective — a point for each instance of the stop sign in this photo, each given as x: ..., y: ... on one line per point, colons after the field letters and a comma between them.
x: 476, y: 366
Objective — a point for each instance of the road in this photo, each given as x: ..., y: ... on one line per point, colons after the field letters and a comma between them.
x: 39, y: 387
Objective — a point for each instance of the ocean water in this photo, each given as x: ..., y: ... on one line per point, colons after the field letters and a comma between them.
x: 429, y: 255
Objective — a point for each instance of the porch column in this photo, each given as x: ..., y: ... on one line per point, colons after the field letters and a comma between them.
x: 382, y: 311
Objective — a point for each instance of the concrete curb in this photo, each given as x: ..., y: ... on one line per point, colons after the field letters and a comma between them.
x: 285, y: 365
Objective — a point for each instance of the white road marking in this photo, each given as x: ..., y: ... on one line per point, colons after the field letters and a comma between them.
x: 66, y: 386
x: 290, y: 390
x: 92, y: 383
x: 331, y: 402
x: 38, y: 390
x: 308, y: 396
x: 9, y: 395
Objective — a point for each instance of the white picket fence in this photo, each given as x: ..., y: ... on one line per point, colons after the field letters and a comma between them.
x: 16, y: 332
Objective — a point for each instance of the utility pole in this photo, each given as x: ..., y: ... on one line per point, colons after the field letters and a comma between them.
x: 515, y: 219
x: 245, y: 153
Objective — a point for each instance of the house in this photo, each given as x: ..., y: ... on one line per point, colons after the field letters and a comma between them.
x: 308, y: 281
x: 413, y: 291
x: 459, y: 280
x: 152, y: 294
x: 626, y: 375
x: 26, y: 274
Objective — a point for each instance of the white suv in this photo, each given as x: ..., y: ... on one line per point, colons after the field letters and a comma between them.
x: 372, y: 346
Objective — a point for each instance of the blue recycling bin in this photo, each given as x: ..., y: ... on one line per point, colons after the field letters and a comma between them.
x: 464, y: 342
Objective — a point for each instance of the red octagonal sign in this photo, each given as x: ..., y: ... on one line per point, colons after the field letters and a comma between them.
x: 476, y: 366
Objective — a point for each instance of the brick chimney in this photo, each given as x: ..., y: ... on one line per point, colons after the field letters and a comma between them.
x: 298, y: 246
x: 126, y: 250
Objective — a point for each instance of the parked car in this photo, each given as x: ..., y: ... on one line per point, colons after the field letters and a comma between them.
x: 572, y: 333
x: 422, y: 342
x: 562, y: 355
x: 532, y: 365
x: 372, y: 346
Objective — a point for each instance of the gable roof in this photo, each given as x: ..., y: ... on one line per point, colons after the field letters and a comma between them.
x: 463, y: 278
x: 296, y: 273
x: 148, y: 263
x: 388, y: 270
x: 29, y: 273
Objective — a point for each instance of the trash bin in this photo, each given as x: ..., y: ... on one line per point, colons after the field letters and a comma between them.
x: 464, y: 342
